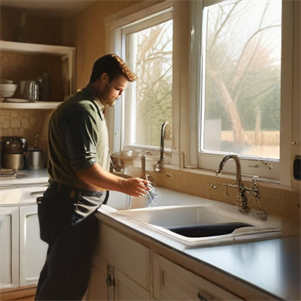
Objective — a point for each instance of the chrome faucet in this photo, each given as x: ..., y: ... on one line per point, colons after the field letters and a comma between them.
x: 241, y: 197
x: 160, y: 164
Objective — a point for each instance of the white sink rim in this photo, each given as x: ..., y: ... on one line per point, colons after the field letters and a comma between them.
x: 260, y: 230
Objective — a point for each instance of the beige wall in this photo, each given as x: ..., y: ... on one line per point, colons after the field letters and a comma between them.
x: 35, y: 30
x: 86, y: 32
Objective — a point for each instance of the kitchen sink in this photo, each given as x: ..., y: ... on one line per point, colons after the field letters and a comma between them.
x: 207, y: 230
x: 197, y: 225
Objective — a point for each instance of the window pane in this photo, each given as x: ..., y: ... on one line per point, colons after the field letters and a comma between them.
x: 241, y: 78
x: 152, y: 53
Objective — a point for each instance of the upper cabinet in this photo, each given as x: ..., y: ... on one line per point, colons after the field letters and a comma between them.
x: 24, y: 61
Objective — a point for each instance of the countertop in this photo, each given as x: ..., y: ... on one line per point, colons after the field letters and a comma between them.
x: 271, y: 266
x: 27, y: 177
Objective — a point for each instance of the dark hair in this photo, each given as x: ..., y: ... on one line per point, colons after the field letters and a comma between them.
x: 113, y: 65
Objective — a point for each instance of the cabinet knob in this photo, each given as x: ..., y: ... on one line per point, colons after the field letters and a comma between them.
x: 201, y: 297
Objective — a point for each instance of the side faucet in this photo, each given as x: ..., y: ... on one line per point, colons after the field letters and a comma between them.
x: 242, y: 190
x: 241, y: 197
x: 159, y: 166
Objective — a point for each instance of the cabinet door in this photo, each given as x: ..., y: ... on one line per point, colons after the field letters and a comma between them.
x: 127, y: 289
x: 172, y: 282
x: 32, y: 249
x: 9, y: 247
x: 125, y: 254
x: 101, y: 281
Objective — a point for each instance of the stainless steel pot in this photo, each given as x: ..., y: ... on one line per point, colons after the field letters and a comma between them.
x: 36, y: 159
x: 13, y: 161
x: 29, y: 89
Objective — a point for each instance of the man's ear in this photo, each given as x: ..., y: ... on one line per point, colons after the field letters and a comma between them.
x: 104, y: 78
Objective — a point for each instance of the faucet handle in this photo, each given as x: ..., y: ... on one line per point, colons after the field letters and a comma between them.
x: 254, y: 180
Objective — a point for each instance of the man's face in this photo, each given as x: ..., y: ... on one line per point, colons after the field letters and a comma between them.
x: 109, y: 92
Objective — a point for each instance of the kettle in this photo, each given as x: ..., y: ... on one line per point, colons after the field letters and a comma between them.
x: 14, y: 150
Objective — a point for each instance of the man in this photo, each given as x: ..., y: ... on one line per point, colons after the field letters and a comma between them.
x: 78, y: 179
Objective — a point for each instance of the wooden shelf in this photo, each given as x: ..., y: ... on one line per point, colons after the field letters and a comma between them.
x: 65, y: 54
x: 46, y: 105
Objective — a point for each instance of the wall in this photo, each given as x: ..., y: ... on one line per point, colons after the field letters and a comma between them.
x: 33, y: 29
x: 28, y: 123
x: 86, y: 31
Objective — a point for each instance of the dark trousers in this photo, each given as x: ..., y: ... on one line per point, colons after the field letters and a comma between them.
x: 65, y: 275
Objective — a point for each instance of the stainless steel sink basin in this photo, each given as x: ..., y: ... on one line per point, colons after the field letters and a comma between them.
x: 196, y: 225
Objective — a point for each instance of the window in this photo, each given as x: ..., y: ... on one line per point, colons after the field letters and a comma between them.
x: 150, y: 52
x: 221, y: 72
x: 147, y: 46
x: 240, y: 83
x: 241, y: 78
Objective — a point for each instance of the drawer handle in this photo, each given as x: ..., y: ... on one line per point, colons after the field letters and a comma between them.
x: 201, y: 298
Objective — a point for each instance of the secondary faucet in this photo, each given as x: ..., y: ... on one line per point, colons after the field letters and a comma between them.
x: 241, y: 197
x: 242, y: 191
x: 160, y: 163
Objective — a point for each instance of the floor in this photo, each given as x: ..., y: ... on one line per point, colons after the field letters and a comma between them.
x: 16, y: 294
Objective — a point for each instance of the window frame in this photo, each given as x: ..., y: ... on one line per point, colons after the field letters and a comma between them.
x: 116, y: 30
x: 267, y: 169
x: 185, y: 130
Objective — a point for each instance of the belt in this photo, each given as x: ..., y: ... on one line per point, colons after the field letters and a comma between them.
x: 71, y: 191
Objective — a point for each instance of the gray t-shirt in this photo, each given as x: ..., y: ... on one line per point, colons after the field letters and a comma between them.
x: 77, y: 138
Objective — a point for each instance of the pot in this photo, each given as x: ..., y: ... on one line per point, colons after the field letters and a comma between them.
x: 36, y: 159
x: 13, y: 161
x: 29, y: 89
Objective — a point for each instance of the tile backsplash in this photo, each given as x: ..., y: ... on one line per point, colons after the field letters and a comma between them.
x: 26, y: 123
x: 275, y: 199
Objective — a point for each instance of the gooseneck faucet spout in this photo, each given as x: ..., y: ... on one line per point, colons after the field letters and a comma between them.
x: 238, y: 167
x: 241, y: 197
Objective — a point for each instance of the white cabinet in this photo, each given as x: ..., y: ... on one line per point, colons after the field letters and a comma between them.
x: 9, y: 247
x: 22, y: 252
x: 108, y: 283
x: 100, y: 286
x: 120, y: 268
x: 124, y: 269
x: 127, y: 289
x: 32, y: 249
x: 172, y: 282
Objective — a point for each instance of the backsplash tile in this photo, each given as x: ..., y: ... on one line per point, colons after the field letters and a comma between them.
x: 25, y: 123
x: 275, y: 199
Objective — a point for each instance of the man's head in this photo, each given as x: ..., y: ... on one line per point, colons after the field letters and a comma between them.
x: 112, y: 65
x: 110, y: 76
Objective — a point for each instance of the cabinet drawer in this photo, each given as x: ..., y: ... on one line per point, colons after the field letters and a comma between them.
x: 172, y: 282
x: 125, y: 254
